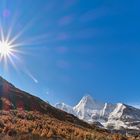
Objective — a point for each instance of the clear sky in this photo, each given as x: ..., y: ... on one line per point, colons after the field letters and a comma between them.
x: 68, y: 48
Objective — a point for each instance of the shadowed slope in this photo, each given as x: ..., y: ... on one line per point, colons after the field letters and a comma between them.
x: 14, y: 98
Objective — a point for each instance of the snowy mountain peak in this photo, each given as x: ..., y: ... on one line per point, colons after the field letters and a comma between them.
x: 124, y: 117
x: 112, y: 116
x: 87, y: 98
x: 118, y: 111
x: 120, y: 104
x: 88, y: 109
x: 87, y: 102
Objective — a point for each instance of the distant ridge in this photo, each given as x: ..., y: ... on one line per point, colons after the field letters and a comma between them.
x: 110, y: 116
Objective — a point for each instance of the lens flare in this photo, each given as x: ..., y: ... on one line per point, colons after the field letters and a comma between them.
x: 10, y: 54
x: 9, y: 51
x: 5, y: 48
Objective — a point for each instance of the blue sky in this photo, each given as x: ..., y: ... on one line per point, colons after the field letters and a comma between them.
x: 74, y: 47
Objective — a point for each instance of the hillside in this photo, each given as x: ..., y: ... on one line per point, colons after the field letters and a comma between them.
x: 14, y: 98
x: 26, y: 117
x: 23, y: 125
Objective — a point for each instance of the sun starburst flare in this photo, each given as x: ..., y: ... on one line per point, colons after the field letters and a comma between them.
x: 5, y: 49
x: 10, y: 50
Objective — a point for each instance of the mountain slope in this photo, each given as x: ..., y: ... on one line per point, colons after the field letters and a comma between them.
x: 14, y: 98
x: 30, y: 125
x: 124, y: 117
x: 24, y: 116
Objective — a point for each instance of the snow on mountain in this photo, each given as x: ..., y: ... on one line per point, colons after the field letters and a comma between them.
x: 107, y: 109
x: 66, y: 108
x: 118, y: 111
x: 87, y: 102
x: 88, y: 109
x: 123, y: 117
x: 112, y: 116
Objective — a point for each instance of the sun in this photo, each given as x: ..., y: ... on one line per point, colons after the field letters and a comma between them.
x: 5, y: 48
x: 9, y: 49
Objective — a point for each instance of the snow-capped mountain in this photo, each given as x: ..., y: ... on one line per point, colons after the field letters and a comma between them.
x: 124, y: 117
x: 112, y: 116
x: 65, y: 108
x: 88, y: 109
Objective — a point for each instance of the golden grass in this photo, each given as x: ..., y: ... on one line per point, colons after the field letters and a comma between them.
x: 24, y: 125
